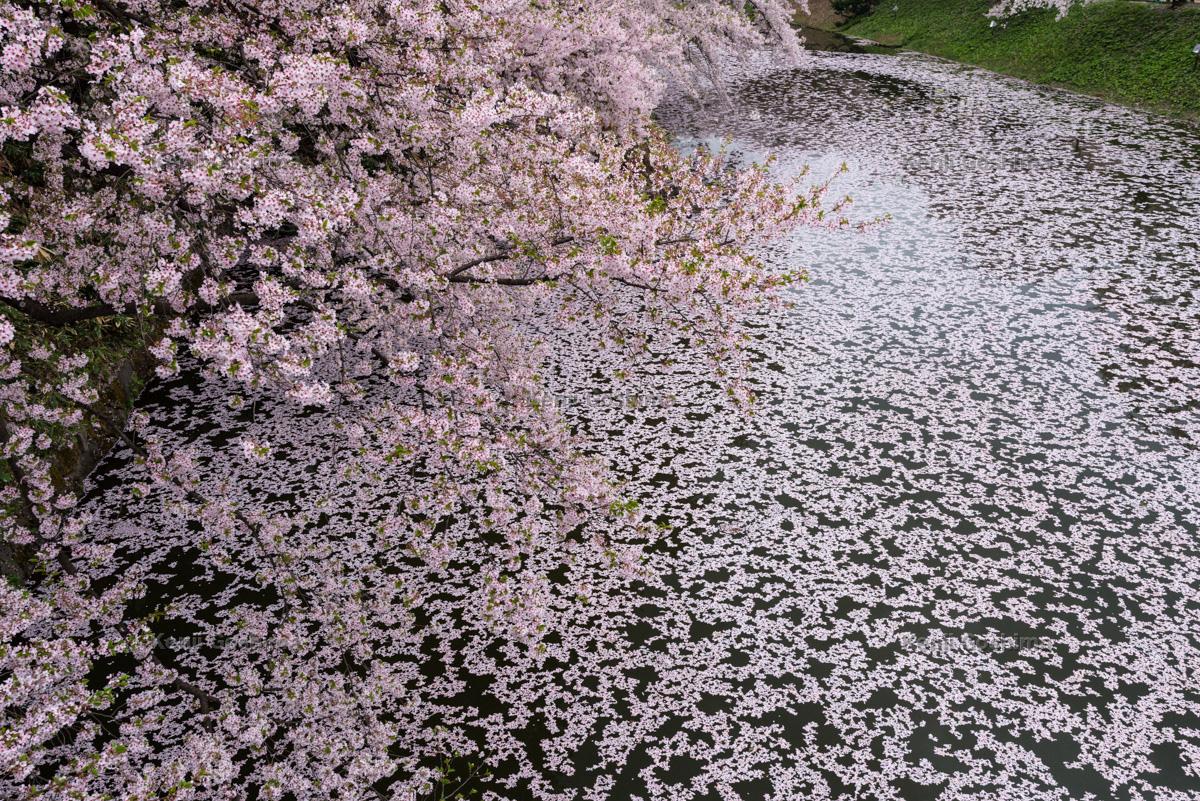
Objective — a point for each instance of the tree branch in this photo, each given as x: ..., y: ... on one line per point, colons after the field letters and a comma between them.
x: 36, y: 310
x: 504, y: 253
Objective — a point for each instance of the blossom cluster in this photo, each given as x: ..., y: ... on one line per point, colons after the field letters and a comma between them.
x: 1008, y: 8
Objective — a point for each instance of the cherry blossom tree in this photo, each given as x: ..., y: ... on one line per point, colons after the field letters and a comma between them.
x: 368, y: 207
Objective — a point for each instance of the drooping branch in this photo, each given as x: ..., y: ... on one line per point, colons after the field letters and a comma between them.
x: 47, y: 315
x: 504, y: 253
x: 317, y: 157
x: 58, y: 317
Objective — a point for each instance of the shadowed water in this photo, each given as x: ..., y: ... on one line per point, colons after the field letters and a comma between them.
x: 954, y: 552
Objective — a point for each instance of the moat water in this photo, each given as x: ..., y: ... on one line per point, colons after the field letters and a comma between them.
x: 954, y: 552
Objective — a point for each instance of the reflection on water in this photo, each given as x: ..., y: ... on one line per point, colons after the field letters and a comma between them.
x: 954, y: 554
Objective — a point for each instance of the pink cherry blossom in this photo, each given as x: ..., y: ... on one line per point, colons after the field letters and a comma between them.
x: 368, y: 207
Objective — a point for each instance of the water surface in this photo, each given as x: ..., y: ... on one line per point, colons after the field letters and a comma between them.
x: 954, y: 552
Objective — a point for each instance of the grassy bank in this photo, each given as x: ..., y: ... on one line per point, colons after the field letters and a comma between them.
x: 1128, y: 52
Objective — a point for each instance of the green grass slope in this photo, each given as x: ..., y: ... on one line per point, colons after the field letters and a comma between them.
x: 1129, y: 52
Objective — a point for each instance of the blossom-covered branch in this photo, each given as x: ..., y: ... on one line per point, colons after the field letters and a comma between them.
x: 367, y: 206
